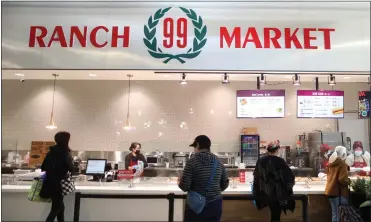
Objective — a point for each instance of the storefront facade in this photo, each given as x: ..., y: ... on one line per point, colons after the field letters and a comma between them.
x: 84, y: 42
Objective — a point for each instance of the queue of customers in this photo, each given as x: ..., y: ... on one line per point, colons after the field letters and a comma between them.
x: 205, y: 178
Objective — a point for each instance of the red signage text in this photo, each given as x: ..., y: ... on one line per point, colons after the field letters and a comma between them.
x: 41, y: 36
x: 291, y: 38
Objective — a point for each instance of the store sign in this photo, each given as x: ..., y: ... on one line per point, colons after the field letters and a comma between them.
x: 40, y: 36
x: 170, y: 38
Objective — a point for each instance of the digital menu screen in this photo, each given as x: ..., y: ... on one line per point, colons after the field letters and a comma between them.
x: 364, y: 98
x: 260, y: 103
x: 320, y: 104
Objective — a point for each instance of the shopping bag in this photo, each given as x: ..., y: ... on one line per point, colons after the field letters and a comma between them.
x: 67, y: 185
x: 346, y: 212
x: 34, y: 193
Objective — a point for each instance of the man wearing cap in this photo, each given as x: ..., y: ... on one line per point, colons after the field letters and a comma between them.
x: 198, y: 177
x: 325, y: 150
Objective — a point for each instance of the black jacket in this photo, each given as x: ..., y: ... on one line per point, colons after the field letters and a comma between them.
x: 273, y: 178
x: 138, y: 157
x: 56, y: 164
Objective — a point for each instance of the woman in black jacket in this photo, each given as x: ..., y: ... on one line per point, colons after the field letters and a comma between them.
x: 57, y: 163
x: 273, y: 179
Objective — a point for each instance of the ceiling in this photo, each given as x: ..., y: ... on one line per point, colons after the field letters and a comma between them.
x: 166, y: 75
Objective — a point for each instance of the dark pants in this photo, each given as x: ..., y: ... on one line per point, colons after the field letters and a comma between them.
x: 275, y: 212
x: 211, y: 212
x: 57, y: 210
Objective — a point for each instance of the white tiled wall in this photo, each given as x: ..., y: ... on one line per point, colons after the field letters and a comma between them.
x: 93, y: 111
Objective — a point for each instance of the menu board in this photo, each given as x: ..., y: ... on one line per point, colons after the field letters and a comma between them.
x: 260, y: 103
x: 320, y: 104
x: 364, y: 98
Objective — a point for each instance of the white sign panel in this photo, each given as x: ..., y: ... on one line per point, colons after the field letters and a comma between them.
x: 190, y: 36
x: 260, y: 103
x: 320, y: 104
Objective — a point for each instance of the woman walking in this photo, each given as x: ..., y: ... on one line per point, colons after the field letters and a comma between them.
x: 273, y: 179
x: 56, y: 165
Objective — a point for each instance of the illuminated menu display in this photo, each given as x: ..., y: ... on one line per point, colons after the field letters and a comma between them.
x: 320, y: 104
x: 260, y: 103
x: 364, y: 98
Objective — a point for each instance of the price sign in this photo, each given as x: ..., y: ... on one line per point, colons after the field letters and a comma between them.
x: 125, y: 174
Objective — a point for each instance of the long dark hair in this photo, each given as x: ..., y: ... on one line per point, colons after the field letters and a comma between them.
x: 62, y: 139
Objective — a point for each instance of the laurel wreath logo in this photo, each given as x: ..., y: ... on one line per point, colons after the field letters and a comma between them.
x: 150, y: 39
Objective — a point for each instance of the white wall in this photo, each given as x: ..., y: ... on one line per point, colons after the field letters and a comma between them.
x: 93, y: 111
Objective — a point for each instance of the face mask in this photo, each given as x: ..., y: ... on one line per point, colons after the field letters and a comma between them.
x: 137, y: 152
x: 358, y: 153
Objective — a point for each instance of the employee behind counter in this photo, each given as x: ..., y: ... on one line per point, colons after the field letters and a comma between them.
x: 131, y: 160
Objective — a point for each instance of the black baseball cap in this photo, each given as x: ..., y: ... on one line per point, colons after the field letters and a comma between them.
x: 203, y: 142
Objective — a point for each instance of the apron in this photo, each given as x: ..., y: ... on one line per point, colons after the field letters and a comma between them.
x: 134, y: 163
x: 360, y: 165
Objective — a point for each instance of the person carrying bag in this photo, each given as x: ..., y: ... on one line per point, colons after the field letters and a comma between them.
x: 195, y: 200
x: 204, y: 178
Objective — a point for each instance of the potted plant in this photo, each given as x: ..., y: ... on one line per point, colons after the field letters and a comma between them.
x: 358, y: 194
x: 366, y: 206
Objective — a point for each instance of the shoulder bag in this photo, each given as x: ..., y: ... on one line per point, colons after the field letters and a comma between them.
x: 346, y: 212
x: 67, y: 184
x: 195, y: 200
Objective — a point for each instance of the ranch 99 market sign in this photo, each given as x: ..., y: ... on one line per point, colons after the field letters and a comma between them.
x: 235, y: 36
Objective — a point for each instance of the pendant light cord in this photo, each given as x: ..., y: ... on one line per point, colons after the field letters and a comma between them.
x: 55, y: 80
x: 129, y: 98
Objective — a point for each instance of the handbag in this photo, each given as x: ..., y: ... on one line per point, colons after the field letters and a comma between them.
x: 34, y: 192
x: 346, y: 212
x: 195, y: 200
x: 67, y: 185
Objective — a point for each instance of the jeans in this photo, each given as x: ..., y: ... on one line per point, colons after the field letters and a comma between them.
x: 211, y: 212
x: 57, y: 210
x: 335, y: 207
x: 275, y: 212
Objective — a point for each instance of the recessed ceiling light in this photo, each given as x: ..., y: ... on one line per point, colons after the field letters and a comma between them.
x: 93, y: 75
x: 166, y: 76
x: 347, y: 77
x: 19, y: 74
x: 288, y: 77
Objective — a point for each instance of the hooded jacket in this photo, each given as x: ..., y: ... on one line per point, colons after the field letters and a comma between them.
x: 56, y: 164
x: 337, y: 178
x: 197, y: 173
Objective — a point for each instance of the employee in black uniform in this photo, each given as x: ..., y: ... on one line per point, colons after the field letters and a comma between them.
x: 132, y: 158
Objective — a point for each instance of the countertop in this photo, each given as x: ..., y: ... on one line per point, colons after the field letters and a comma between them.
x: 161, y: 188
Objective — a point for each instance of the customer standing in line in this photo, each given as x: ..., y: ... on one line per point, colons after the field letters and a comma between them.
x: 57, y: 163
x: 337, y: 180
x: 196, y: 175
x: 273, y: 179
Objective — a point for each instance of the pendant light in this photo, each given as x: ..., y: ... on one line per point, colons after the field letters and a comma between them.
x: 52, y: 124
x: 127, y: 125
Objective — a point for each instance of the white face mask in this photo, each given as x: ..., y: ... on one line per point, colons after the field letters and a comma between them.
x: 358, y: 153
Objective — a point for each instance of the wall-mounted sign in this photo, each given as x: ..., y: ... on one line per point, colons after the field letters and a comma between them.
x: 364, y: 98
x: 39, y: 149
x: 320, y: 104
x: 191, y: 36
x: 260, y: 103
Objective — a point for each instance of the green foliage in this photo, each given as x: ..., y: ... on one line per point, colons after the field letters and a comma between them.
x: 360, y: 186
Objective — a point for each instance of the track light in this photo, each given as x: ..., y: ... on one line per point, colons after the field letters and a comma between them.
x: 331, y: 80
x: 225, y: 79
x: 262, y: 79
x: 183, y: 81
x: 296, y: 80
